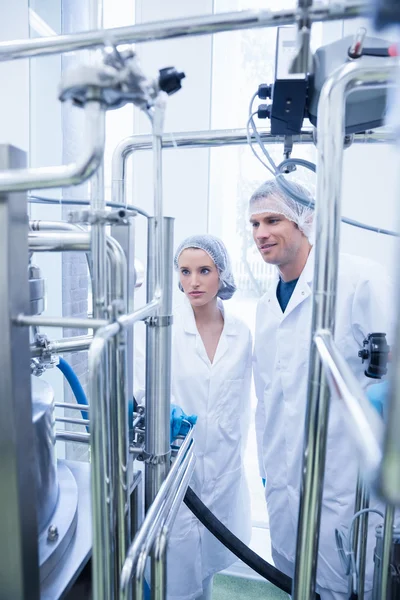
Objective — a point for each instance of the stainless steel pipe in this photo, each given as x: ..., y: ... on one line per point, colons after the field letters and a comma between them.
x: 60, y: 226
x: 73, y: 344
x: 119, y: 425
x: 362, y: 555
x: 61, y: 241
x: 386, y: 552
x: 331, y: 111
x: 155, y: 515
x: 209, y: 139
x: 65, y: 175
x: 73, y: 436
x: 159, y: 566
x: 71, y: 405
x: 189, y: 26
x: 99, y: 438
x: 65, y: 322
x: 73, y: 420
x: 364, y: 422
x: 158, y: 361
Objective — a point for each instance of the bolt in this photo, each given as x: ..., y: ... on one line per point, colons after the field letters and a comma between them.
x: 52, y: 533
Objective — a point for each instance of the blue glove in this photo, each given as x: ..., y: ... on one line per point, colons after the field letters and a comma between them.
x: 263, y: 481
x: 377, y: 394
x: 177, y: 422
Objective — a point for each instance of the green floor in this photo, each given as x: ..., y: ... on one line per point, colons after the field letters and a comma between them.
x: 238, y: 588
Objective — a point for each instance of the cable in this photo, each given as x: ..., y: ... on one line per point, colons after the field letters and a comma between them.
x: 43, y: 200
x: 249, y: 141
x: 236, y: 546
x: 285, y: 185
x: 344, y: 544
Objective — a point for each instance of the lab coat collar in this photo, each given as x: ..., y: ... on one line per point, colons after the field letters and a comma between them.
x: 300, y: 293
x: 189, y: 324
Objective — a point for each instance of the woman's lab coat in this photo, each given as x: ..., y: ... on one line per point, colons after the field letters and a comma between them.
x: 281, y: 356
x: 219, y: 394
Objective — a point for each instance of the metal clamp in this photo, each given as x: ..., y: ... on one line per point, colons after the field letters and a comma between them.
x: 100, y: 217
x: 117, y: 80
x: 164, y: 321
x: 156, y: 459
x: 47, y: 360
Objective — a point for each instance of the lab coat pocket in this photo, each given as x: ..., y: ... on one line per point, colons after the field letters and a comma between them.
x: 229, y: 413
x: 184, y: 523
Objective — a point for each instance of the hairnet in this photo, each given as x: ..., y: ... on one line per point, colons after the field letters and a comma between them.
x: 215, y: 248
x: 270, y: 197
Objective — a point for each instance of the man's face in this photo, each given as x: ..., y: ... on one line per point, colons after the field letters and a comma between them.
x: 277, y: 238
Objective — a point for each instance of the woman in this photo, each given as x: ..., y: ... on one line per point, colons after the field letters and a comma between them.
x: 211, y: 373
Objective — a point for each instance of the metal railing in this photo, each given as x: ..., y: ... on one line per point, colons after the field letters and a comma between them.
x: 158, y: 520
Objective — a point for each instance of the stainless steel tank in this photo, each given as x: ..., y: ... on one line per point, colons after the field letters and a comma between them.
x: 46, y: 464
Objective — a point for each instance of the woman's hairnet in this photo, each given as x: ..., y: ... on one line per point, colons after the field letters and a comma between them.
x: 270, y: 197
x: 215, y: 248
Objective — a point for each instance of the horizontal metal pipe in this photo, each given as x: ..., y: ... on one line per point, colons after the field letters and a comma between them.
x: 61, y: 176
x: 73, y: 436
x: 73, y: 420
x: 65, y: 322
x: 153, y: 516
x: 39, y: 225
x: 72, y: 405
x: 61, y: 241
x: 232, y: 137
x: 189, y: 26
x: 139, y: 314
x: 73, y: 344
x: 211, y: 139
x: 365, y: 423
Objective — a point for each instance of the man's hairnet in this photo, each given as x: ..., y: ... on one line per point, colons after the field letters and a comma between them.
x: 269, y: 197
x: 215, y: 248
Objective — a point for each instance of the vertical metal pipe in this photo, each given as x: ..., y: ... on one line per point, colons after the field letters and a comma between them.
x: 356, y: 528
x: 119, y: 411
x: 386, y: 552
x: 103, y: 553
x: 331, y: 112
x: 362, y: 557
x: 158, y: 365
x: 159, y: 571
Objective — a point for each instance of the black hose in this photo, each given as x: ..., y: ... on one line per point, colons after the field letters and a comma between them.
x: 236, y: 546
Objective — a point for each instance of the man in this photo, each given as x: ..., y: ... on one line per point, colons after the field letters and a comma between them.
x: 281, y: 231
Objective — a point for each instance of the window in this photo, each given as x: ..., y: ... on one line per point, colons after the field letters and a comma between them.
x: 235, y: 174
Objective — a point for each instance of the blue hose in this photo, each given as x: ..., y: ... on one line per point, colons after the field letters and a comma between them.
x: 75, y: 385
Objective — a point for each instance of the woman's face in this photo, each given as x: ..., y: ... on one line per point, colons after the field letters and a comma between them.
x: 198, y: 276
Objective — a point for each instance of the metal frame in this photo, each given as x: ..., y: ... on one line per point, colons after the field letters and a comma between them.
x: 330, y: 132
x: 19, y: 574
x: 158, y: 515
x: 201, y: 25
x: 208, y: 139
x: 107, y: 350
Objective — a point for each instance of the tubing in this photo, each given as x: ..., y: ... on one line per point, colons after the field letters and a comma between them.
x: 236, y: 546
x: 74, y: 384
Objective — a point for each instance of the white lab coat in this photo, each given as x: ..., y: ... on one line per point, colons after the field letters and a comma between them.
x: 281, y: 356
x: 219, y: 394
